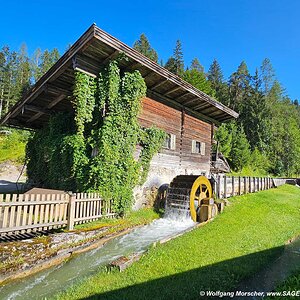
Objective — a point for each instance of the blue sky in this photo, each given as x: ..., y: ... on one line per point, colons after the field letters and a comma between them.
x: 230, y: 31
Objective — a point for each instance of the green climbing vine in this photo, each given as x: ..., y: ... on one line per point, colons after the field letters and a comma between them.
x: 84, y: 100
x: 94, y: 148
x: 151, y: 140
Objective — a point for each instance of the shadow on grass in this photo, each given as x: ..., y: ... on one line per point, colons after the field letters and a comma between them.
x: 222, y: 276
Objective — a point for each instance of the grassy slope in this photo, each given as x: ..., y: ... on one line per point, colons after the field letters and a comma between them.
x: 12, y: 147
x: 250, y: 233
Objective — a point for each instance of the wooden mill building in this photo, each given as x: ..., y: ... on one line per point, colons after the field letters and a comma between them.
x: 185, y: 113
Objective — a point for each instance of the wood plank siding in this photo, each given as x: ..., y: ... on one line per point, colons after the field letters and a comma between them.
x: 186, y: 128
x: 195, y: 129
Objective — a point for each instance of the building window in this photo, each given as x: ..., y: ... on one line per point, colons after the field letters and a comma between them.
x: 170, y: 142
x: 198, y: 147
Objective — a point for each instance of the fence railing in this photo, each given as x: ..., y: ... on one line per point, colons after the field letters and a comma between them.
x: 24, y: 213
x: 228, y: 186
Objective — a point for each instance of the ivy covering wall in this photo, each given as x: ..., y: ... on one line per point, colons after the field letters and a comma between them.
x: 93, y: 148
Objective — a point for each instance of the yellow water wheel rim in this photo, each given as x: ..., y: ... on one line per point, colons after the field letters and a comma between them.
x: 201, y: 189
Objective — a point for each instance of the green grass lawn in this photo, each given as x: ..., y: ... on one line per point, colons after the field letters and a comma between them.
x: 132, y: 219
x: 248, y: 235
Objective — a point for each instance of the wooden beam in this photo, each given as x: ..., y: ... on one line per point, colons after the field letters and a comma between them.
x: 51, y: 88
x: 173, y: 90
x: 34, y: 117
x: 57, y: 100
x: 158, y: 84
x: 37, y: 109
x: 190, y: 101
x: 182, y: 96
x: 202, y: 105
x: 156, y: 96
x: 80, y: 69
x: 12, y: 113
x: 151, y: 73
x: 110, y: 57
x: 133, y: 66
x: 20, y: 125
x: 85, y: 65
x: 48, y: 107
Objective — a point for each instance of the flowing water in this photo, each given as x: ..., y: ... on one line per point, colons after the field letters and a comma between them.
x: 53, y: 280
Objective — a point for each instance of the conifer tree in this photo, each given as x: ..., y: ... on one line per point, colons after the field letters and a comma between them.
x: 254, y: 115
x: 178, y: 56
x: 195, y: 75
x: 267, y: 75
x: 24, y: 73
x: 195, y: 65
x: 143, y: 46
x: 239, y: 85
x: 171, y: 65
x: 215, y: 75
x: 175, y: 63
x: 216, y: 79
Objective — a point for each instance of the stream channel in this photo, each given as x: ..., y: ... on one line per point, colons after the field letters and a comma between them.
x: 56, y: 279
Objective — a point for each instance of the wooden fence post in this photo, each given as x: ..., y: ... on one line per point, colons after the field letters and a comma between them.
x: 239, y: 185
x: 71, y: 212
x: 250, y: 190
x: 265, y: 183
x: 219, y: 186
x: 225, y: 187
x: 245, y: 185
x: 260, y: 180
x: 232, y: 183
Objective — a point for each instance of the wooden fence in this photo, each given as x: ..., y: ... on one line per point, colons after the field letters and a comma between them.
x: 229, y: 186
x: 30, y: 213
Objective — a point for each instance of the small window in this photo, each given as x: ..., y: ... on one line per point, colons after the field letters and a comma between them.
x: 198, y: 147
x: 170, y: 142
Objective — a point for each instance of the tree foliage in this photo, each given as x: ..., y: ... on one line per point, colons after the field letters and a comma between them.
x: 175, y: 63
x: 18, y: 71
x: 268, y: 117
x: 143, y: 46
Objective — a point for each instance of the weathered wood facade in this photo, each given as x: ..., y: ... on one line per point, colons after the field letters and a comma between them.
x: 186, y: 130
x: 185, y: 113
